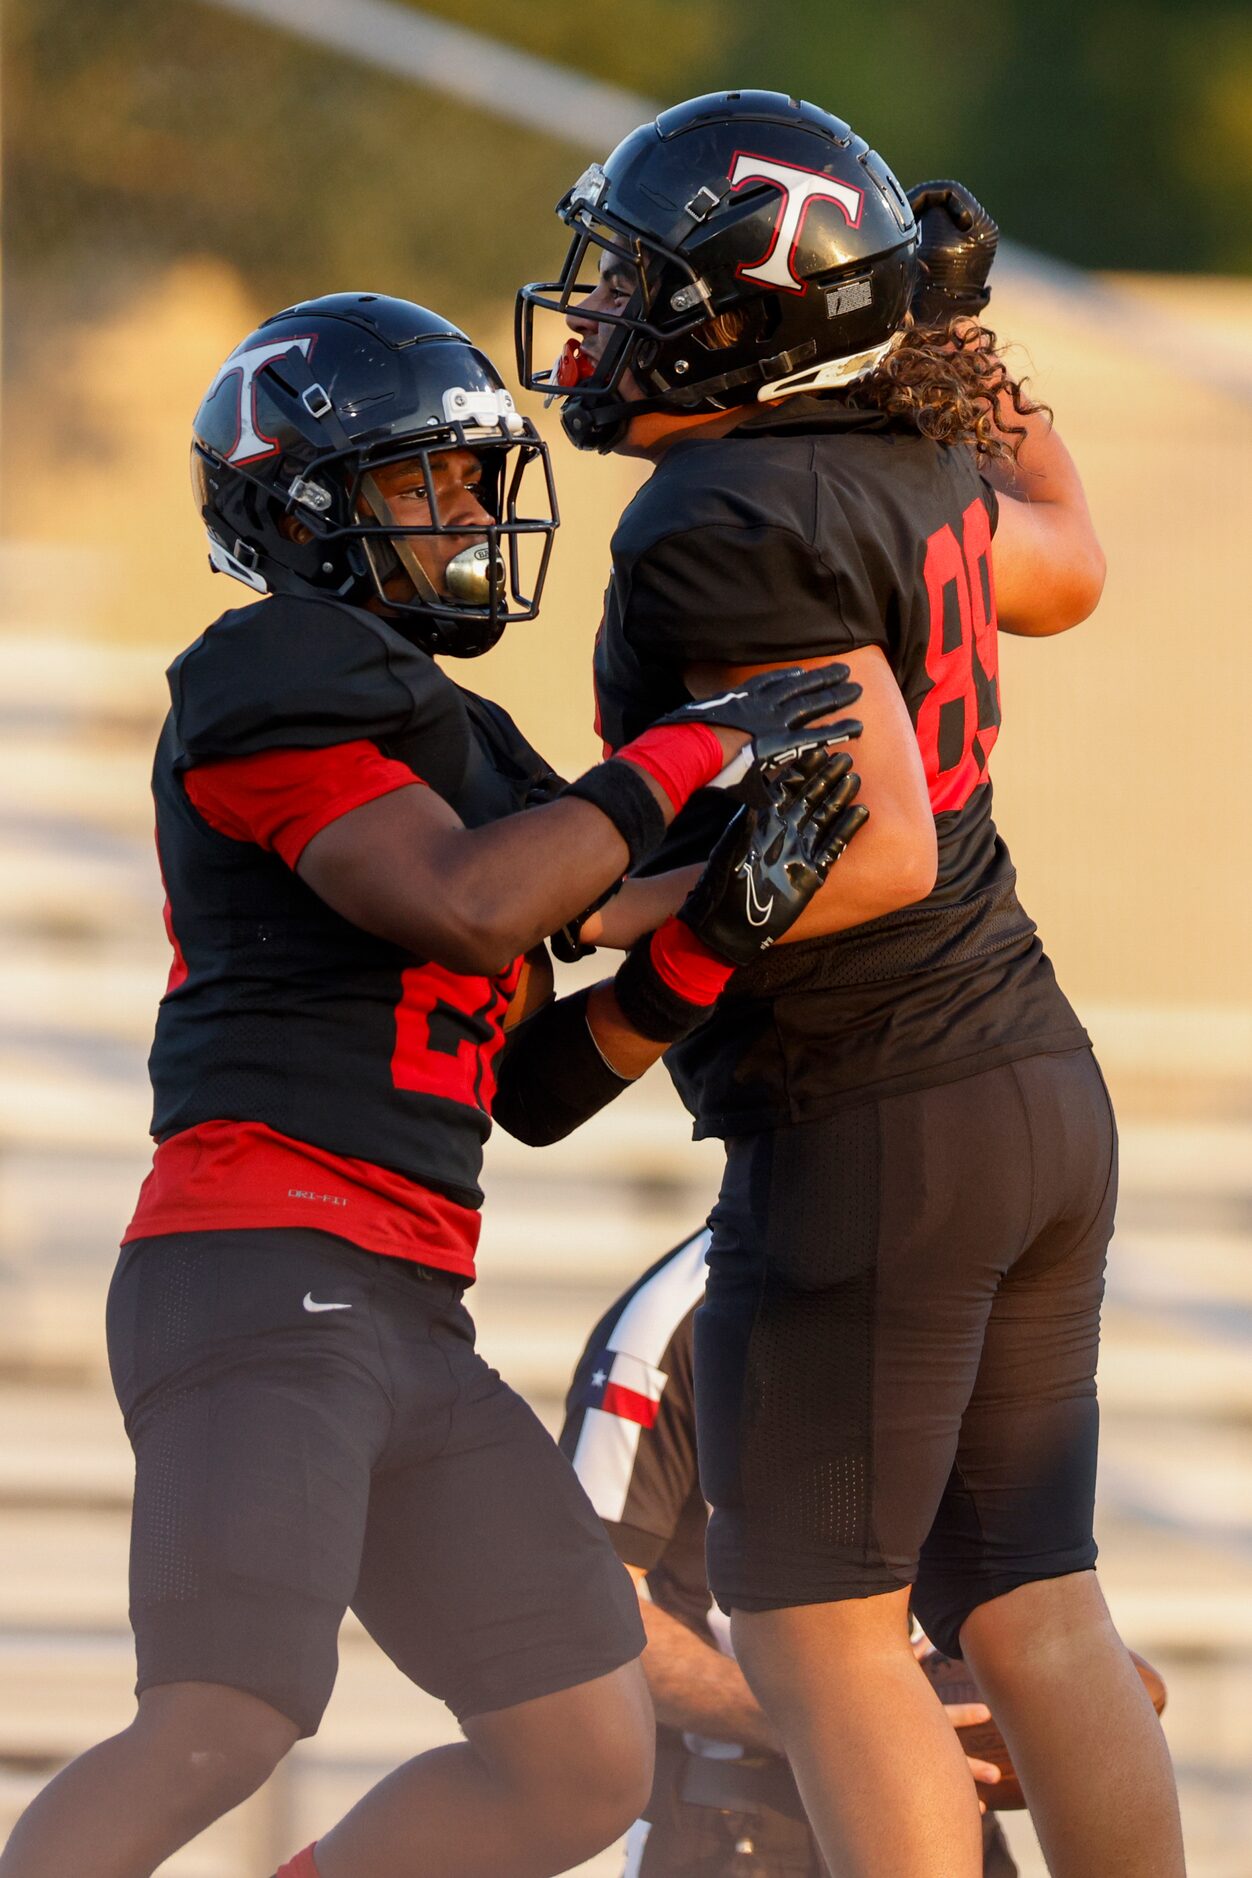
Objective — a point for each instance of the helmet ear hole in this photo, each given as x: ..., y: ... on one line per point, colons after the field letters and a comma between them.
x: 724, y: 329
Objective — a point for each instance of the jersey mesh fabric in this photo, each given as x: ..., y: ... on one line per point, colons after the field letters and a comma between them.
x: 222, y: 1175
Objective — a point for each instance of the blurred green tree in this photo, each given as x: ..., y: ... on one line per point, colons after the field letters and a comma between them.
x: 142, y: 132
x: 1111, y: 133
x: 138, y: 131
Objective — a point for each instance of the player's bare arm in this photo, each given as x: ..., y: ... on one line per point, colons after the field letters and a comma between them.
x: 578, y: 1054
x: 638, y: 908
x: 696, y: 1687
x: 406, y: 868
x: 1049, y: 565
x: 894, y: 859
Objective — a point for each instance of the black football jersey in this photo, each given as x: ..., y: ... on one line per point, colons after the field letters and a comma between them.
x: 286, y: 1014
x: 808, y: 531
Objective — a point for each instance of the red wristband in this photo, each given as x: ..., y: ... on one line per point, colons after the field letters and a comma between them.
x: 681, y: 757
x: 685, y: 964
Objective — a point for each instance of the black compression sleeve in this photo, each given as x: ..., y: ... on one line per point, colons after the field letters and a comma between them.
x: 552, y: 1077
x: 621, y: 792
x: 648, y: 1004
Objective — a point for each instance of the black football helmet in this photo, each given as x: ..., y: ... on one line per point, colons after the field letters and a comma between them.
x: 300, y: 419
x: 743, y: 203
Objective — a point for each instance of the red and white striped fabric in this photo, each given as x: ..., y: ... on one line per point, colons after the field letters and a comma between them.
x: 626, y: 1386
x: 631, y: 1389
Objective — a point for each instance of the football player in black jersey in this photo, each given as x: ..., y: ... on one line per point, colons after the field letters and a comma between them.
x: 358, y: 854
x: 896, y: 1354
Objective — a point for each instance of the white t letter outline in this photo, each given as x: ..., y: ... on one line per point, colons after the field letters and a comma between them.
x: 799, y: 188
x: 250, y: 444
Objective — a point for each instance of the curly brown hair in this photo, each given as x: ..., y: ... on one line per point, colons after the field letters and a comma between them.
x: 952, y: 385
x: 949, y: 382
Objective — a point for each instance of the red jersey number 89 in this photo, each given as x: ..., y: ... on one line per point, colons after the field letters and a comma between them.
x: 960, y: 715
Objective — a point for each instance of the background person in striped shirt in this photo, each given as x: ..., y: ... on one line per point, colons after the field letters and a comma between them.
x: 724, y: 1801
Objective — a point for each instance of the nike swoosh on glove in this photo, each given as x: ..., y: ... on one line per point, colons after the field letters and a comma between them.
x: 775, y: 856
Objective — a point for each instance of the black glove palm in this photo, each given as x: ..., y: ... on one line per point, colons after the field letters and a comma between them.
x: 774, y: 857
x: 778, y: 710
x: 957, y: 247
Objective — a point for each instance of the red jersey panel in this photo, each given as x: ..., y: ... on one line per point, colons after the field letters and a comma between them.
x: 280, y: 799
x: 239, y: 1171
x: 227, y: 1175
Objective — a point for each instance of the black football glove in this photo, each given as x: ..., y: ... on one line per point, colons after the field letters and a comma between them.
x: 772, y: 859
x: 957, y: 246
x: 777, y: 709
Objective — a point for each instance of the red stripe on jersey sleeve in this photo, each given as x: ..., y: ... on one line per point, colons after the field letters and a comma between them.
x: 280, y: 799
x: 629, y: 1405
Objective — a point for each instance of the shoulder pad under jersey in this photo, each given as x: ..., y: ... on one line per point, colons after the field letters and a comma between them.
x: 304, y: 673
x: 511, y: 753
x: 763, y: 484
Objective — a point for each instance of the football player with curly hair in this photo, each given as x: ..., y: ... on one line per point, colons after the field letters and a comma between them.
x: 895, y: 1357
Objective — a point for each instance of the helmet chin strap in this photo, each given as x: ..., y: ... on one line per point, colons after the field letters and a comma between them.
x: 594, y: 422
x: 833, y: 374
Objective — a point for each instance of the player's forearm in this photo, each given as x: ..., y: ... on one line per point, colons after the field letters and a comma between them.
x: 695, y: 1688
x: 514, y: 882
x: 640, y: 907
x: 619, y: 1043
x: 1048, y: 563
x: 1042, y: 470
x: 885, y: 868
x: 406, y: 869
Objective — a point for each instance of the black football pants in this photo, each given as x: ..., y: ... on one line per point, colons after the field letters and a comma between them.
x: 895, y: 1359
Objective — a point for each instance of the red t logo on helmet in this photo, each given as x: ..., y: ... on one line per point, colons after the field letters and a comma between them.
x: 776, y: 267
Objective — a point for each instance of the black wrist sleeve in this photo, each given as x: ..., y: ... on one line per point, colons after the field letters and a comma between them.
x: 621, y: 792
x: 648, y: 1004
x: 552, y: 1077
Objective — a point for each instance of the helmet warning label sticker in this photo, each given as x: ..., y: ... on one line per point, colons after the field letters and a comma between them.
x: 848, y: 297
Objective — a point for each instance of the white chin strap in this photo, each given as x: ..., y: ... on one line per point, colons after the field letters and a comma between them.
x: 830, y: 375
x: 225, y: 562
